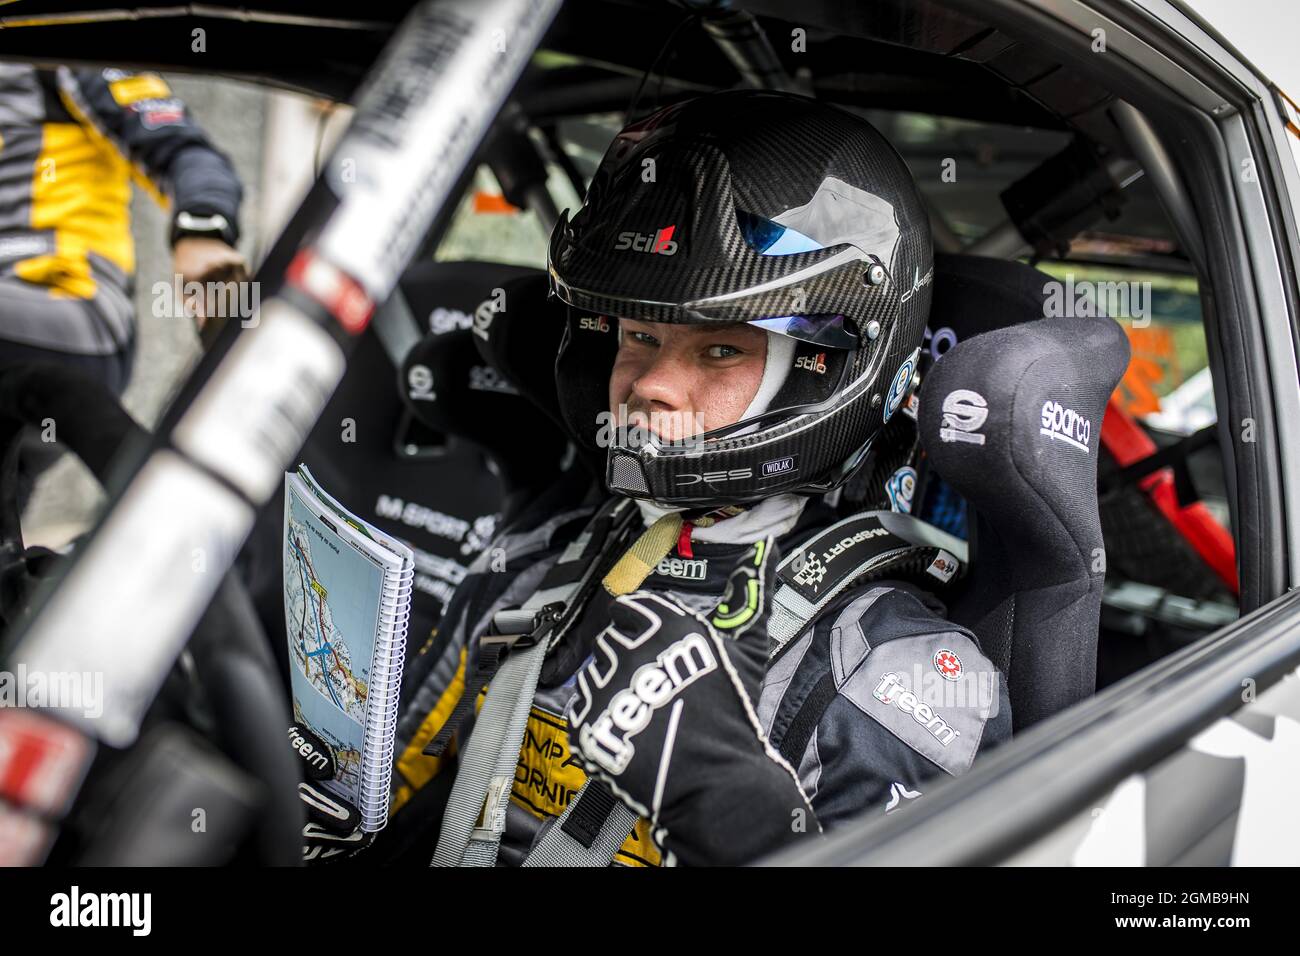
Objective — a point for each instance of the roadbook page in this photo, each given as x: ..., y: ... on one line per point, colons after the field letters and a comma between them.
x: 334, y: 582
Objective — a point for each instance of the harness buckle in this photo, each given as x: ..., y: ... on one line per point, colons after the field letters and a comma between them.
x: 492, y: 648
x: 544, y: 621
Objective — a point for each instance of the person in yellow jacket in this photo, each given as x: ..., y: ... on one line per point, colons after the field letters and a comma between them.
x: 71, y: 142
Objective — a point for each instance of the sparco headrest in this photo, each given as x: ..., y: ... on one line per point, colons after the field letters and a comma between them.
x: 451, y: 389
x: 1012, y: 420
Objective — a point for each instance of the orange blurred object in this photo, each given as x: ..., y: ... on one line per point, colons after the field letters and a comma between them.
x: 491, y: 202
x: 1154, y: 361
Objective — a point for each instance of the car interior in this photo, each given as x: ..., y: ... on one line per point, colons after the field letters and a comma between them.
x: 1052, y: 182
x: 1046, y: 184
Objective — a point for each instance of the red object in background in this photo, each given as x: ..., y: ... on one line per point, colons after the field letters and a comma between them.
x: 1124, y: 438
x: 684, y: 549
x: 41, y: 761
x: 333, y: 288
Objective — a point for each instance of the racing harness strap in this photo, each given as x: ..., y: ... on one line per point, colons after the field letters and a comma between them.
x: 595, y: 823
x: 589, y: 831
x: 868, y: 545
x: 475, y: 816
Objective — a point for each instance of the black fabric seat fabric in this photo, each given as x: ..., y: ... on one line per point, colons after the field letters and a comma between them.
x: 1010, y: 416
x: 445, y: 500
x: 523, y: 341
x: 449, y: 385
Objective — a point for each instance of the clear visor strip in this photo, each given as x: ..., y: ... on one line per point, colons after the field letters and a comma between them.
x: 845, y: 255
x: 776, y: 368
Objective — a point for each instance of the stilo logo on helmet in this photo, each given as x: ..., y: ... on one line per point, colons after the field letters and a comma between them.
x: 660, y: 243
x: 828, y: 247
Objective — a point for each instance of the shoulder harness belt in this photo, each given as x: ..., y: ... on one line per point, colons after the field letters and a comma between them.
x: 868, y: 545
x: 475, y: 816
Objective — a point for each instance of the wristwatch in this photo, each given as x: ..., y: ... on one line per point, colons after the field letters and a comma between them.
x: 188, y: 225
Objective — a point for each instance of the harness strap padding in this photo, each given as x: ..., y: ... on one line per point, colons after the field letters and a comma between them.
x: 475, y: 817
x: 645, y: 554
x: 871, y: 542
x: 589, y: 831
x: 558, y: 585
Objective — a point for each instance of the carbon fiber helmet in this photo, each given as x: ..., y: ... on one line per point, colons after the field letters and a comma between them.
x: 758, y: 207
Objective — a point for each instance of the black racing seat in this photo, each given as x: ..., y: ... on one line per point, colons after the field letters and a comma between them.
x: 452, y: 391
x: 433, y: 469
x: 523, y: 342
x: 1010, y: 416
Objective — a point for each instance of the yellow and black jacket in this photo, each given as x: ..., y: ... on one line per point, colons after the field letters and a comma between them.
x: 547, y: 777
x: 846, y: 698
x: 71, y: 142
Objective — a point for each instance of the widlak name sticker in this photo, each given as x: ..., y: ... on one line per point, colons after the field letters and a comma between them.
x: 779, y: 466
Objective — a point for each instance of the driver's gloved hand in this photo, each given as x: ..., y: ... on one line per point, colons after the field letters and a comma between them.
x: 332, y: 832
x: 665, y: 714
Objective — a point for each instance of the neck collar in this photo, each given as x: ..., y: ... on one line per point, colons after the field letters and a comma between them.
x: 771, y: 517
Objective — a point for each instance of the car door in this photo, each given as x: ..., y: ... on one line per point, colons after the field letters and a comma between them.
x: 1183, y: 761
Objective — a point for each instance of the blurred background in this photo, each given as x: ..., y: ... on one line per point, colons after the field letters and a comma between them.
x: 253, y: 126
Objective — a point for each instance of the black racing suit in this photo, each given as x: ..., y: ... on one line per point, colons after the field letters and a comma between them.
x: 863, y: 675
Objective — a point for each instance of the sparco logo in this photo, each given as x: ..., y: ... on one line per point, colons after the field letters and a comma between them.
x: 593, y: 323
x: 660, y: 242
x: 714, y: 477
x: 964, y: 412
x: 1065, y: 424
x: 891, y: 691
x: 483, y: 316
x: 687, y: 569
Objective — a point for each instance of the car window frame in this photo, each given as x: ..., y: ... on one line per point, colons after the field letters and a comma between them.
x: 1048, y: 773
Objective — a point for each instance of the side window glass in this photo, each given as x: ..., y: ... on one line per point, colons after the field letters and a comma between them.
x: 487, y: 228
x: 1169, y: 546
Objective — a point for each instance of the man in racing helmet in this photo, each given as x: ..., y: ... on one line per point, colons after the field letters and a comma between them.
x: 745, y: 291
